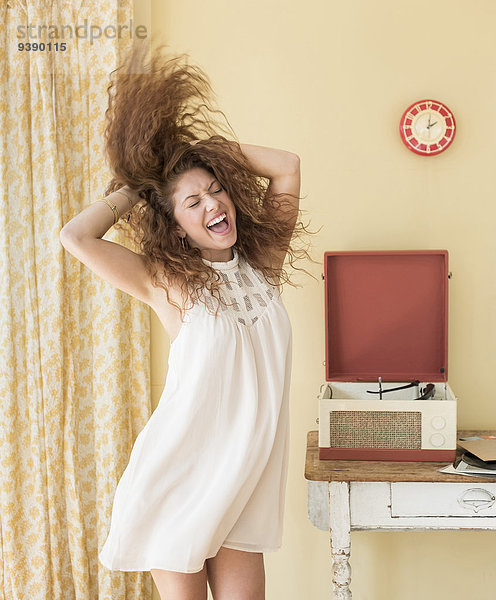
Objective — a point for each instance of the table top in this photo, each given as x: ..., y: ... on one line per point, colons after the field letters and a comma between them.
x: 367, y: 470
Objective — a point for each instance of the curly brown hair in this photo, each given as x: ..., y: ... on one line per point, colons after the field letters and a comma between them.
x: 158, y: 107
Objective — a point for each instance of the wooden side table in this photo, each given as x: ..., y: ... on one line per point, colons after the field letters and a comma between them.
x: 345, y: 496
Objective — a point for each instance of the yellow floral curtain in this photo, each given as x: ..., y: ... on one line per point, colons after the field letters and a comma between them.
x: 74, y: 352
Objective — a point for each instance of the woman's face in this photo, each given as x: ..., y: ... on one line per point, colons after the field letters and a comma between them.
x: 205, y: 214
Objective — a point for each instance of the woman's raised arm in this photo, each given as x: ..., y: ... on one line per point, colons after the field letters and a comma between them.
x: 282, y: 168
x: 272, y: 163
x: 118, y: 265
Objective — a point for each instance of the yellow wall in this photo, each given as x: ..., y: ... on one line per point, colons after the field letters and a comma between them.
x: 329, y: 80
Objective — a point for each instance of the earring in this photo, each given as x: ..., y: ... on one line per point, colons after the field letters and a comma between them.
x: 183, y: 242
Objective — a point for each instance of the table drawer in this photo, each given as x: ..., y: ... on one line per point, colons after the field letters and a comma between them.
x: 443, y: 499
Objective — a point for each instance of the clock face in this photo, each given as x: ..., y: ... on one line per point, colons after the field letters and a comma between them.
x: 427, y: 127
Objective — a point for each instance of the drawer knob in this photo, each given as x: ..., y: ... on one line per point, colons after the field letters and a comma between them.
x: 476, y: 499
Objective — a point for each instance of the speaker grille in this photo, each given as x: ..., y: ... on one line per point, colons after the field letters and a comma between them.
x: 375, y: 429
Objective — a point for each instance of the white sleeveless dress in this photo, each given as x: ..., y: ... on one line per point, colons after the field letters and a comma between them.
x: 209, y: 468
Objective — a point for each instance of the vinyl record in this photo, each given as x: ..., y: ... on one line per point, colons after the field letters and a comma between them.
x: 474, y: 461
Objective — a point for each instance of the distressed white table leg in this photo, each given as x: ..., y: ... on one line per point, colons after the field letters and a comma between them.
x: 339, y: 520
x: 318, y: 504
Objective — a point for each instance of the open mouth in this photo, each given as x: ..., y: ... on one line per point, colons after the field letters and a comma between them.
x: 220, y: 224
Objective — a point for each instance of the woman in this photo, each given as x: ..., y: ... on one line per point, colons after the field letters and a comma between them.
x: 202, y: 496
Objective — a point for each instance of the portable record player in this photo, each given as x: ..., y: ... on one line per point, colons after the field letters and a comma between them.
x: 386, y: 395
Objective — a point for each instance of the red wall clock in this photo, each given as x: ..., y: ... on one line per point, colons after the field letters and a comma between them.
x: 427, y: 127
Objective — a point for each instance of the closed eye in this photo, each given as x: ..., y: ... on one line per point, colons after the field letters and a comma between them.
x: 198, y: 202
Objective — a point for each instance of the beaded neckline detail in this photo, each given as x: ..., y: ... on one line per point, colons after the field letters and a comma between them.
x: 244, y: 292
x: 224, y: 265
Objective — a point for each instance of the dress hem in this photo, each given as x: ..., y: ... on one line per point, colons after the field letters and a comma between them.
x: 230, y: 545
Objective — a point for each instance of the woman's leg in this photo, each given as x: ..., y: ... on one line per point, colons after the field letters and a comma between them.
x: 236, y: 575
x: 172, y: 585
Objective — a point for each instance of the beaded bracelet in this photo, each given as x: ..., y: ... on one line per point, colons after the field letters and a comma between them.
x: 128, y: 198
x: 113, y: 206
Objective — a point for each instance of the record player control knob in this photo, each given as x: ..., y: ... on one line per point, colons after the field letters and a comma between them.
x: 438, y: 422
x: 437, y: 440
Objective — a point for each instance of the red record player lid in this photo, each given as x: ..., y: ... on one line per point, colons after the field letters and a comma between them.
x: 386, y: 315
